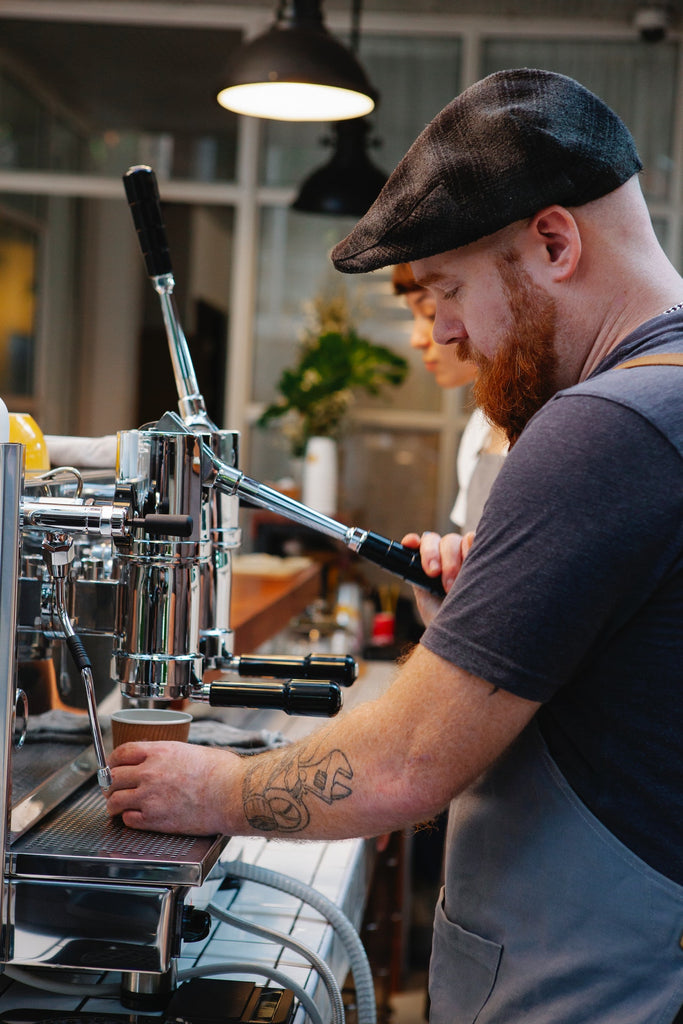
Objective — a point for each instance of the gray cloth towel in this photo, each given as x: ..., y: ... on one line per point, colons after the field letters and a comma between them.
x: 58, y: 726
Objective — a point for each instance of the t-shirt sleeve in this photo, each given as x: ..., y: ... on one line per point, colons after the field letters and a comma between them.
x: 582, y: 521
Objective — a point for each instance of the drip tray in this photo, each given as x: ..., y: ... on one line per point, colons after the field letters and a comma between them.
x: 79, y: 840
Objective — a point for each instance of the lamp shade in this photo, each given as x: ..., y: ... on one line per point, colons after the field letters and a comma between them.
x: 349, y: 183
x: 297, y: 71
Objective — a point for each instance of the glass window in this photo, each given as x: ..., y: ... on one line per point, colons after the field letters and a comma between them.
x: 184, y: 156
x: 293, y: 268
x: 23, y: 128
x: 638, y: 80
x: 388, y: 480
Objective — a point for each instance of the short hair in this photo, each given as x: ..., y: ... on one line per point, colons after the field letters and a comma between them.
x: 403, y: 279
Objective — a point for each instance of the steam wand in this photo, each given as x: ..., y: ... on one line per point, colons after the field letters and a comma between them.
x: 58, y: 554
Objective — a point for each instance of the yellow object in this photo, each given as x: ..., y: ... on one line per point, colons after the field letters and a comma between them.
x: 23, y: 429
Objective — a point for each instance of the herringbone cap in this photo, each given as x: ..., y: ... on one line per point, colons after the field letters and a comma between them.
x: 511, y: 144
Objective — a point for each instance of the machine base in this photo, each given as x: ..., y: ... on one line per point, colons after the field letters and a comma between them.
x: 199, y: 1001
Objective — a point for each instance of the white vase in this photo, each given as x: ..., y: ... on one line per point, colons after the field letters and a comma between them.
x: 319, y: 482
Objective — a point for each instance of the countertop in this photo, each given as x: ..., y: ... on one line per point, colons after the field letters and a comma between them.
x: 262, y: 604
x: 340, y: 870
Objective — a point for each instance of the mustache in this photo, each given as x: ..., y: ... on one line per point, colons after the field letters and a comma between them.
x: 467, y: 354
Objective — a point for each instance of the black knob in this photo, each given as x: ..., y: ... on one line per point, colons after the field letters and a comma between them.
x: 196, y: 924
x: 402, y: 561
x: 142, y: 192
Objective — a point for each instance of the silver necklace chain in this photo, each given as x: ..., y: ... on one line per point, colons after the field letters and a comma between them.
x: 672, y: 309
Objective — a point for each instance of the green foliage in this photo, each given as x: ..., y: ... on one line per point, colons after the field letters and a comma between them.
x: 315, y: 395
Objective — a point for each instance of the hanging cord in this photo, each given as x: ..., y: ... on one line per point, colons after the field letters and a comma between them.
x: 355, y: 25
x: 360, y: 967
x: 317, y: 962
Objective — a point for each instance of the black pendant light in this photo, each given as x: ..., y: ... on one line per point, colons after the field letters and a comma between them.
x: 297, y: 71
x: 349, y: 183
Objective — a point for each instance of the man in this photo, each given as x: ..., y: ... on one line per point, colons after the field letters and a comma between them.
x: 544, y: 697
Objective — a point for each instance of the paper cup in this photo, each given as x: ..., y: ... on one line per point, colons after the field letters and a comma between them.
x: 133, y: 724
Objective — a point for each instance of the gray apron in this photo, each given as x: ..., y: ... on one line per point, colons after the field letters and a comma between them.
x: 545, y: 917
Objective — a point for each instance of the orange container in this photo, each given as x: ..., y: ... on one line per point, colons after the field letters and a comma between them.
x: 23, y: 429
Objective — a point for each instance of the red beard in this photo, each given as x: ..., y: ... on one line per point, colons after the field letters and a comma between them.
x: 520, y: 378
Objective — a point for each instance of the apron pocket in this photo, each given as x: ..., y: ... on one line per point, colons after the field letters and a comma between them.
x: 462, y: 971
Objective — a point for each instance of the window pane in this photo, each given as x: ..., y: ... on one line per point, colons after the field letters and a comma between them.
x: 294, y: 267
x: 189, y: 157
x: 636, y: 79
x: 388, y: 480
x: 23, y: 128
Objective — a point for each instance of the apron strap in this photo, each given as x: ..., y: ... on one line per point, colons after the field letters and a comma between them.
x: 665, y: 359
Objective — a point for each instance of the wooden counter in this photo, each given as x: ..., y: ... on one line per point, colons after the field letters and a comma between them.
x: 263, y: 605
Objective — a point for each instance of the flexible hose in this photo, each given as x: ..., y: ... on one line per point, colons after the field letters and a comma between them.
x: 360, y: 968
x: 317, y: 962
x: 267, y: 972
x: 106, y: 991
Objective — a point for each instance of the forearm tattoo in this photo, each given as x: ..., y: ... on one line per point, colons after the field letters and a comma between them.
x: 276, y: 796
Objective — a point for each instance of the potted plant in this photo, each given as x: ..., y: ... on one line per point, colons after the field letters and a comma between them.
x: 334, y: 363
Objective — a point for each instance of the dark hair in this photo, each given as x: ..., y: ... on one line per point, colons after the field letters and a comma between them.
x: 403, y: 280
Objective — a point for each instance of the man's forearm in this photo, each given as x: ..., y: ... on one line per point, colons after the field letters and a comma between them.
x: 280, y: 797
x: 386, y: 764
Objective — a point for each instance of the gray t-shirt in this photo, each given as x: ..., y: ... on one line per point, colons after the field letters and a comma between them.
x: 573, y: 592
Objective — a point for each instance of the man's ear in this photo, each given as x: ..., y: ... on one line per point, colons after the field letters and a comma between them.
x: 558, y: 233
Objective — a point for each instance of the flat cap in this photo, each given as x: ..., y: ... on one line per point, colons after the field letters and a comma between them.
x: 511, y: 144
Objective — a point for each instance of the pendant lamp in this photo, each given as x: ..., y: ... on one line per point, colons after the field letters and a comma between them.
x: 349, y: 183
x: 297, y: 71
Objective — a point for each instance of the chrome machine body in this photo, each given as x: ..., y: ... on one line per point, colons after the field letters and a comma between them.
x: 127, y: 577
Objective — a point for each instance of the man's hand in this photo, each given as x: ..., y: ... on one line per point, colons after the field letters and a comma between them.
x: 172, y: 787
x: 440, y: 556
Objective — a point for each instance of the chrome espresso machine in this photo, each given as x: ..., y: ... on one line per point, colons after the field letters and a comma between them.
x: 121, y: 583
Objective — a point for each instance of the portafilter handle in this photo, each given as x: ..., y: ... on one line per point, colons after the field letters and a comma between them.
x: 341, y: 668
x: 322, y: 700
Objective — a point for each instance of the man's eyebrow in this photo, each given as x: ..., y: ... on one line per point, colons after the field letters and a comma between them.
x: 426, y: 279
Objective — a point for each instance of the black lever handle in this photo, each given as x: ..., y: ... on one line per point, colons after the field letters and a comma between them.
x: 321, y: 699
x: 159, y: 525
x: 340, y: 669
x: 402, y: 561
x: 142, y: 192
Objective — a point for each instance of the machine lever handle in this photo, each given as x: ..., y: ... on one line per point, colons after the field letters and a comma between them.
x: 158, y: 525
x: 142, y: 192
x: 402, y: 561
x: 320, y: 699
x: 340, y: 669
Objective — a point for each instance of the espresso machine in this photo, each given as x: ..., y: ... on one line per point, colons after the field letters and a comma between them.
x: 117, y: 586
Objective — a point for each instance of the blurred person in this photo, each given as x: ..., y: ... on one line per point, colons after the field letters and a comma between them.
x: 482, y: 446
x: 543, y: 700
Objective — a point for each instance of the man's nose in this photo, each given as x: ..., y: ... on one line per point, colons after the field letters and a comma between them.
x: 445, y: 330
